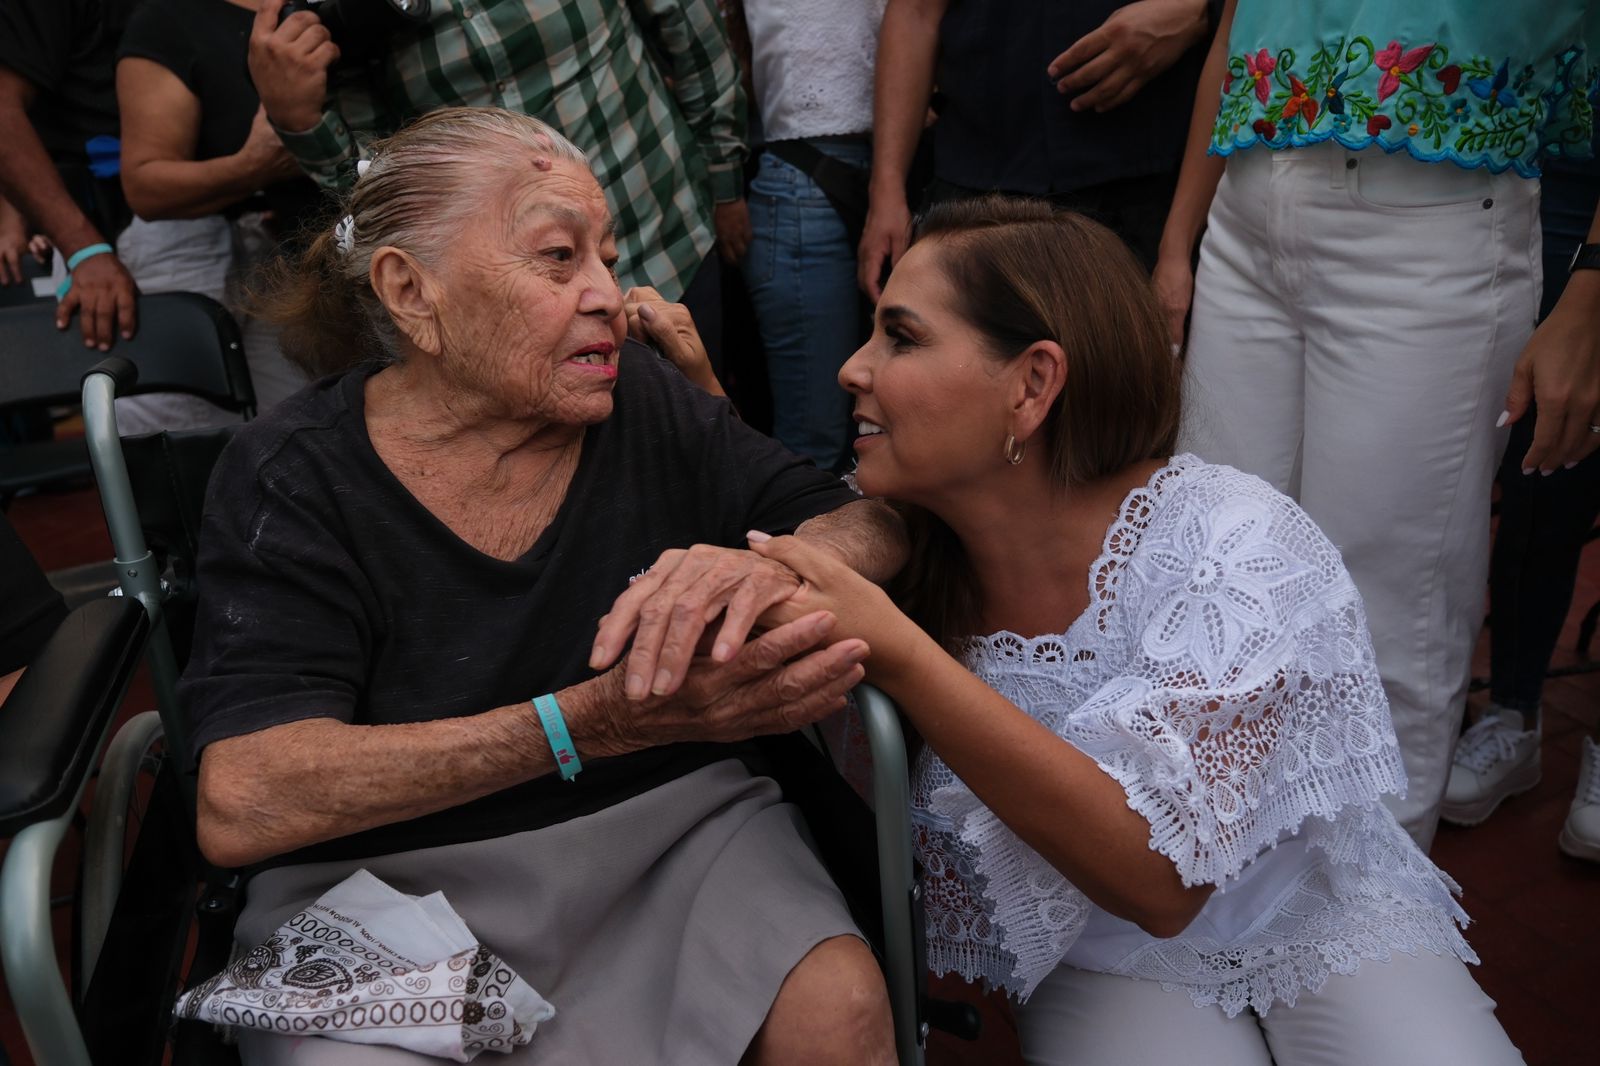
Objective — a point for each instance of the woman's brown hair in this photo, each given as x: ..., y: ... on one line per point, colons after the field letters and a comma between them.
x: 414, y: 194
x: 1023, y: 271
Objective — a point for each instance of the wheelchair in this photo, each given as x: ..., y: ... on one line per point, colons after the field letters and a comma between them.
x: 136, y: 917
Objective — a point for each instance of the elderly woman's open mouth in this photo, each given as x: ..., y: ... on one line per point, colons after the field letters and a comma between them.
x: 597, y: 358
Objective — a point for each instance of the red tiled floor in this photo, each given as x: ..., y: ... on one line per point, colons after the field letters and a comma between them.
x: 1536, y: 913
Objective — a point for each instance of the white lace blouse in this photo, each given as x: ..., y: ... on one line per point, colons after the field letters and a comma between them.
x: 1223, y: 675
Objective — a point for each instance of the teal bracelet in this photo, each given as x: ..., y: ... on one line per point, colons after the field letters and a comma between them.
x: 77, y: 259
x: 555, y: 731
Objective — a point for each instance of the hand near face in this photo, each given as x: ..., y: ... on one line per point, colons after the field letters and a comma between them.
x: 669, y: 328
x: 289, y: 65
x: 668, y: 608
x: 1106, y: 67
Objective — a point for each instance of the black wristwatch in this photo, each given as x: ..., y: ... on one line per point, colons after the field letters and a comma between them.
x: 1587, y: 257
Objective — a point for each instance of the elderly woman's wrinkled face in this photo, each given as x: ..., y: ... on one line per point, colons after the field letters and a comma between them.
x: 530, y: 312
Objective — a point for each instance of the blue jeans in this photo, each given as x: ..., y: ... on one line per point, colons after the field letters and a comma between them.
x: 801, y: 272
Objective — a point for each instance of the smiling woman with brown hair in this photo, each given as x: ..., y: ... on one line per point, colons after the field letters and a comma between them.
x: 398, y: 560
x: 1156, y: 738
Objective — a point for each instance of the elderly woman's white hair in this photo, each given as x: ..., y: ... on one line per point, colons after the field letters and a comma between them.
x: 415, y: 191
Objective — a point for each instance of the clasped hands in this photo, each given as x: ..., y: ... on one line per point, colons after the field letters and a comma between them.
x: 729, y: 644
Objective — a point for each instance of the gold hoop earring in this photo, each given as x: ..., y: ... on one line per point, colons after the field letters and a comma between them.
x: 1013, y: 450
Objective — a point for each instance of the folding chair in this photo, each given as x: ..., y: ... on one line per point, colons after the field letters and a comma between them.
x: 185, y: 343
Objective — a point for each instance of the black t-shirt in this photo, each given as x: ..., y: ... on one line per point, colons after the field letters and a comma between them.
x: 1003, y: 125
x: 67, y: 49
x: 206, y: 43
x: 328, y: 590
x: 30, y: 609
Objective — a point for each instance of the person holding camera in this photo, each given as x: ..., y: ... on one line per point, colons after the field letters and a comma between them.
x: 649, y: 90
x: 213, y: 189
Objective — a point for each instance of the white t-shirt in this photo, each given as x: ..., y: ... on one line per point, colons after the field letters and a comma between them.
x: 813, y: 63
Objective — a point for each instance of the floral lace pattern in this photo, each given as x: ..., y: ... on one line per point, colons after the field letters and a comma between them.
x: 1223, y: 675
x: 1476, y: 110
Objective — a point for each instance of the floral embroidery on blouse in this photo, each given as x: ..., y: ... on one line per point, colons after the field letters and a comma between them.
x: 1478, y: 110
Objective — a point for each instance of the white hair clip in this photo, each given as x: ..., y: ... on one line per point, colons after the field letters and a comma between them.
x: 362, y: 166
x: 344, y: 235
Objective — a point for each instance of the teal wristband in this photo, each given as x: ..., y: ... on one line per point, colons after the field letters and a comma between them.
x: 555, y: 731
x: 77, y: 259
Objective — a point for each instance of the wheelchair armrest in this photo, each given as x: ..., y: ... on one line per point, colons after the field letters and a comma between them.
x: 52, y: 723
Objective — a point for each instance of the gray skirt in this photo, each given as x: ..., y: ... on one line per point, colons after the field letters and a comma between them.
x: 660, y: 928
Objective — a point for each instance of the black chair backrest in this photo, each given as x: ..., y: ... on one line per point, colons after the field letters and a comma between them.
x: 22, y: 292
x: 185, y: 343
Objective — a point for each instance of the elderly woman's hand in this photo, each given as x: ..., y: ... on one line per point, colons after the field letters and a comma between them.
x: 775, y: 684
x: 670, y: 605
x: 670, y: 328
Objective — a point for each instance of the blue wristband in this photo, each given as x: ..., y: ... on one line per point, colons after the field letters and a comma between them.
x: 77, y: 259
x: 555, y: 731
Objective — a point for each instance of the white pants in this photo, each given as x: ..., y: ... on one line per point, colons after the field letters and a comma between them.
x: 211, y: 256
x: 1356, y: 318
x: 1422, y: 1011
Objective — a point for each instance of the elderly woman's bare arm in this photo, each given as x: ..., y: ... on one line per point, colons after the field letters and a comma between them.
x: 868, y: 536
x: 669, y: 608
x: 289, y: 786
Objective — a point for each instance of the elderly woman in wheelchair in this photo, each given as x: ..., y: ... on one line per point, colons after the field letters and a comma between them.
x: 399, y: 560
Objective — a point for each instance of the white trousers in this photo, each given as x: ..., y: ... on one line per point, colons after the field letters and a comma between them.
x: 1412, y: 1011
x: 1356, y: 318
x: 214, y: 257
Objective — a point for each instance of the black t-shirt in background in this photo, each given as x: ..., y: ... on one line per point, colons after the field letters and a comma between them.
x: 67, y: 49
x: 328, y: 590
x: 206, y: 44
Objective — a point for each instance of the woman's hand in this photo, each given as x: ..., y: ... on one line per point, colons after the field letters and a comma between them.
x: 883, y: 241
x: 780, y: 682
x: 864, y: 611
x: 670, y: 605
x: 1559, y: 371
x: 670, y: 328
x: 1174, y: 282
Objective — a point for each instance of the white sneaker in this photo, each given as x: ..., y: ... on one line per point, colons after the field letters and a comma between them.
x: 1580, y: 836
x: 1494, y: 759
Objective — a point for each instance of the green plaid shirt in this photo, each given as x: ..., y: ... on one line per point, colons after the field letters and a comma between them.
x: 662, y: 156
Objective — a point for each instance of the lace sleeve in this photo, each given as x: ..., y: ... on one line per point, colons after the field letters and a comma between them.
x: 1251, y: 698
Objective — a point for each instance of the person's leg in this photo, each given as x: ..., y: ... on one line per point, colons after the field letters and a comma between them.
x: 1078, y: 1017
x: 1419, y: 286
x: 833, y: 1008
x: 1423, y: 1010
x: 1243, y: 382
x: 801, y: 275
x: 1544, y: 524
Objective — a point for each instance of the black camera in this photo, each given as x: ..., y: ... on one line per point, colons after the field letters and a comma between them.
x: 362, y: 28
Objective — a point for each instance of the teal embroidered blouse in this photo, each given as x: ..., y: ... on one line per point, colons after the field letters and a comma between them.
x: 1481, y: 83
